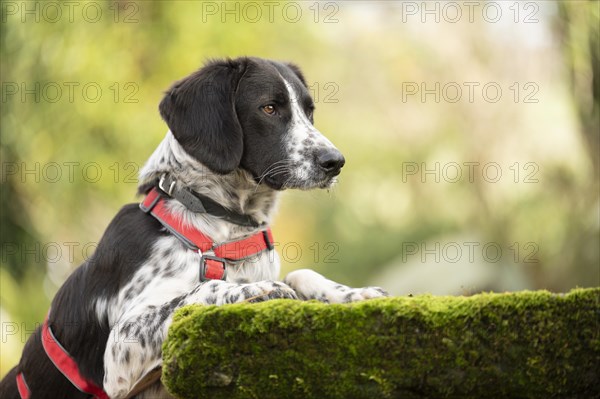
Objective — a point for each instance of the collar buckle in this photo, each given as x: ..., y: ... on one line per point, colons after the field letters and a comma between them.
x: 212, y: 268
x: 161, y: 183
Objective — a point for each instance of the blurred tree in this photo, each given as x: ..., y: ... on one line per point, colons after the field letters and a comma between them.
x: 579, y: 28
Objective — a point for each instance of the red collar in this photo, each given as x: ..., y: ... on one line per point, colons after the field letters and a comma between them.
x: 63, y: 361
x: 211, y: 267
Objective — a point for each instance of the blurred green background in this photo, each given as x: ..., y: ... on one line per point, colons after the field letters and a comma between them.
x: 470, y: 130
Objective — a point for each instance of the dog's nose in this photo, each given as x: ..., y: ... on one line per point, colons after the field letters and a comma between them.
x: 330, y: 161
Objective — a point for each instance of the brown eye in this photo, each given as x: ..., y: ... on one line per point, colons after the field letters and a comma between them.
x: 269, y: 109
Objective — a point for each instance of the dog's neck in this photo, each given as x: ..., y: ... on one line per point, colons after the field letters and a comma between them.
x: 236, y: 191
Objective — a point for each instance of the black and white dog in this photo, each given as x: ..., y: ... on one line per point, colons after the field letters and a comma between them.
x: 240, y: 132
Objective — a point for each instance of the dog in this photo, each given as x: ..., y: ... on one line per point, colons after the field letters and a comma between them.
x: 240, y: 132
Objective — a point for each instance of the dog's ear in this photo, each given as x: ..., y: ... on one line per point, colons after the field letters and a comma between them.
x: 296, y: 69
x: 200, y: 112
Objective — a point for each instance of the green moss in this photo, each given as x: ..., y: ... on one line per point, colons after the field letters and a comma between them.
x: 526, y: 345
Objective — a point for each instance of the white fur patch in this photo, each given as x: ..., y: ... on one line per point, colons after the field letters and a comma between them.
x: 309, y: 284
x: 302, y: 139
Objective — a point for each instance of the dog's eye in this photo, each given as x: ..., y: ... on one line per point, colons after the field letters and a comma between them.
x: 269, y: 109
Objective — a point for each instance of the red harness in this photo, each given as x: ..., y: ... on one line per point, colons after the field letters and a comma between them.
x: 211, y: 267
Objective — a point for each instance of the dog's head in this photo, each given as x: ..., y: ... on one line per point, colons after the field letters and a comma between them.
x: 252, y: 114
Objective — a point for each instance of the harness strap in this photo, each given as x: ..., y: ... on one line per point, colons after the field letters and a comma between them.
x: 67, y: 365
x: 24, y: 390
x: 63, y: 361
x: 194, y: 239
x: 247, y: 247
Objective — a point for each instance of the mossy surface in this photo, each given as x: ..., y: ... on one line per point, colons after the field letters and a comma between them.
x: 522, y: 345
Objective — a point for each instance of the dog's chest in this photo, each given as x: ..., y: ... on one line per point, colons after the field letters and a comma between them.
x: 172, y: 270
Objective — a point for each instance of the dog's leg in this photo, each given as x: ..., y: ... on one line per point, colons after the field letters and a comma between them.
x: 309, y: 284
x: 134, y: 345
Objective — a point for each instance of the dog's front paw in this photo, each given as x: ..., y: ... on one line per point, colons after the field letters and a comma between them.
x: 219, y: 292
x: 311, y: 285
x: 360, y: 294
x: 260, y: 291
x: 264, y: 291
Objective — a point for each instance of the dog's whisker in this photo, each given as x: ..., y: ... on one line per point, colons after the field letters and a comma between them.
x: 283, y: 162
x: 272, y: 167
x: 283, y: 165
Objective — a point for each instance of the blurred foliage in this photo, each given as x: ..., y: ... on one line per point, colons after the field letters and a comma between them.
x: 360, y: 58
